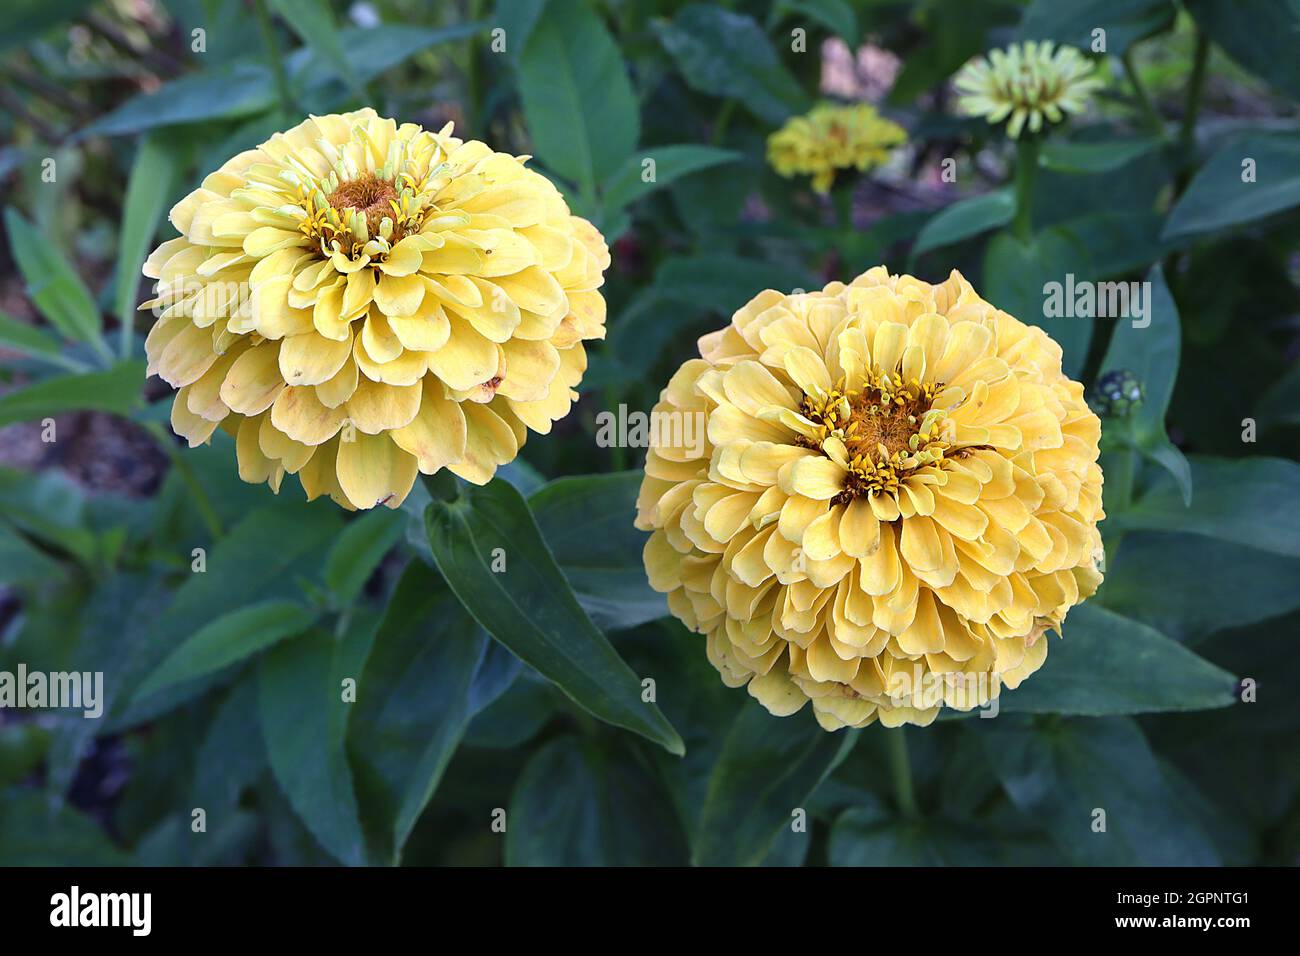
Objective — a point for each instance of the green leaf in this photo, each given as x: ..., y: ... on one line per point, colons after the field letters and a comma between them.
x: 228, y: 91
x: 24, y: 21
x: 50, y: 507
x: 1217, y: 198
x: 724, y: 283
x: 27, y: 339
x: 1060, y: 775
x: 728, y: 55
x: 671, y: 163
x: 768, y: 767
x: 1072, y: 21
x: 1250, y: 501
x: 1150, y: 350
x: 1160, y: 578
x: 230, y: 638
x: 686, y: 290
x: 1093, y: 156
x: 52, y: 283
x: 116, y: 390
x: 22, y: 748
x: 22, y: 562
x: 34, y: 834
x: 578, y: 101
x: 1258, y: 34
x: 1016, y: 277
x: 263, y: 556
x: 584, y: 803
x: 232, y: 755
x: 1280, y: 405
x: 836, y: 15
x: 587, y: 523
x: 871, y: 835
x: 518, y: 18
x: 1109, y: 664
x: 1118, y: 242
x: 304, y: 724
x: 414, y: 705
x: 530, y: 608
x: 964, y: 219
x: 313, y: 21
x: 157, y: 166
x: 372, y: 51
x: 354, y: 556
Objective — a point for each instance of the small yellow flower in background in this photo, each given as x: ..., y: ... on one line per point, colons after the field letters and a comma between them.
x: 1029, y: 82
x: 898, y: 496
x: 830, y: 138
x: 357, y: 301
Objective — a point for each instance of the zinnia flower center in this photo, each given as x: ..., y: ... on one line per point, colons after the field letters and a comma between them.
x: 882, y: 431
x: 369, y: 195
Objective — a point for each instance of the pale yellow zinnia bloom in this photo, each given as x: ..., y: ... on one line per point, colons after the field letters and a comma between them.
x: 898, y: 496
x: 357, y: 301
x: 831, y: 138
x: 1027, y: 84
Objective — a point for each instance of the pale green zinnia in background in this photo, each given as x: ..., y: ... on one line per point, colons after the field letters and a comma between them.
x: 1027, y: 82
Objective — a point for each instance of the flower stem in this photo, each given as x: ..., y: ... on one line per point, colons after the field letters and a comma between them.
x: 1140, y: 93
x: 901, y: 771
x: 274, y: 58
x: 1195, y: 90
x: 1026, y: 172
x: 473, y: 73
x: 201, y: 500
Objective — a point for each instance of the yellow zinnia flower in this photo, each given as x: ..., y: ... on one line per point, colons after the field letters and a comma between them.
x: 832, y: 137
x: 1030, y: 82
x: 898, y: 496
x: 356, y: 301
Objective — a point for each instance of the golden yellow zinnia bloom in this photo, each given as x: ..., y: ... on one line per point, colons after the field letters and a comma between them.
x: 1029, y: 82
x: 356, y: 301
x: 898, y: 496
x: 833, y: 137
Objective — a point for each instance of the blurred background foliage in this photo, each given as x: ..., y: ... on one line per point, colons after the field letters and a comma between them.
x: 223, y: 686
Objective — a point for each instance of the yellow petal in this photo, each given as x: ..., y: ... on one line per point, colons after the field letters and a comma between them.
x: 436, y: 435
x: 375, y: 407
x: 813, y: 477
x: 310, y: 358
x: 467, y: 360
x: 253, y: 381
x: 303, y: 417
x: 372, y: 471
x: 489, y: 442
x: 399, y: 295
x: 860, y: 529
x: 403, y: 259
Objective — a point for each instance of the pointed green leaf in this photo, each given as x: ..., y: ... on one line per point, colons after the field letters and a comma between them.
x: 52, y: 282
x: 768, y: 767
x: 1110, y: 664
x: 157, y: 164
x: 964, y: 219
x: 587, y: 523
x: 425, y: 656
x: 1062, y: 775
x: 578, y: 100
x: 671, y: 163
x: 116, y: 390
x: 490, y: 551
x: 304, y: 724
x: 230, y: 638
x: 1251, y: 501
